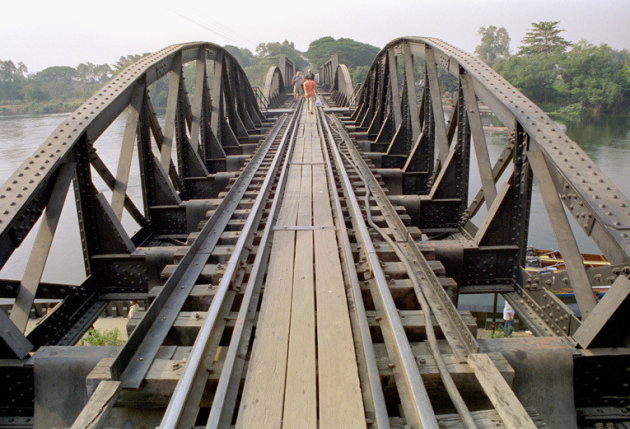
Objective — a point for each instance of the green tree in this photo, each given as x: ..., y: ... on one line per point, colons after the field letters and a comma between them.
x: 596, y: 77
x: 56, y: 74
x: 358, y: 74
x: 93, y: 73
x: 243, y: 55
x: 536, y: 75
x: 9, y: 72
x: 351, y: 53
x: 495, y: 44
x: 11, y: 91
x: 275, y: 49
x: 543, y: 38
x: 34, y: 91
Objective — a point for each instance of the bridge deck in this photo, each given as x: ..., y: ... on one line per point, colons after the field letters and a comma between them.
x: 303, y: 340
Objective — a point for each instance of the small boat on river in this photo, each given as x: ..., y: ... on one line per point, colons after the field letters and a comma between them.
x: 544, y: 261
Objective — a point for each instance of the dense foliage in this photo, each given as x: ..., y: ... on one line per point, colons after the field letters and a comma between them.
x: 356, y: 55
x: 101, y: 338
x: 585, y: 79
x: 52, y: 89
x: 350, y: 52
x: 543, y: 38
x: 267, y: 55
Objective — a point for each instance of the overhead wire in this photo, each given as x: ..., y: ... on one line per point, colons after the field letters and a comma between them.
x: 205, y: 27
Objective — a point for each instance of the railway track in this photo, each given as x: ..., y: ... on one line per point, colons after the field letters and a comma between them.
x: 285, y: 284
x: 282, y: 283
x: 304, y: 300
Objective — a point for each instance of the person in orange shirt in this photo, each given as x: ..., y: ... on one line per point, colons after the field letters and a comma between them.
x: 310, y: 90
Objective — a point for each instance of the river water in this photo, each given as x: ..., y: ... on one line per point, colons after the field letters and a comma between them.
x: 605, y: 140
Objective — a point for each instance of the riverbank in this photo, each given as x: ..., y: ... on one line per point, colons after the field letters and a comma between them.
x: 66, y: 106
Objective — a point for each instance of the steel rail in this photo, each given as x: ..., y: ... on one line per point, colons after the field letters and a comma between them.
x: 376, y: 391
x: 422, y: 409
x: 217, y: 414
x: 453, y: 327
x: 134, y: 359
x: 180, y: 398
x: 445, y: 375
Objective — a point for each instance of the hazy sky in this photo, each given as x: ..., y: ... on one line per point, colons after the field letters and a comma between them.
x: 68, y: 32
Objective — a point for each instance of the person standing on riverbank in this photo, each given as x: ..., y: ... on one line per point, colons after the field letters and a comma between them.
x: 298, y: 81
x: 508, y: 319
x: 310, y: 90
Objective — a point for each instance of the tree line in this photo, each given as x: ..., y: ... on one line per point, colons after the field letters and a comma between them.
x: 356, y: 55
x: 569, y: 78
x: 63, y: 88
x: 54, y: 89
x: 572, y: 79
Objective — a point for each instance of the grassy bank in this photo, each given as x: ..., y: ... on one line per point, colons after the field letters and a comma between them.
x: 54, y: 106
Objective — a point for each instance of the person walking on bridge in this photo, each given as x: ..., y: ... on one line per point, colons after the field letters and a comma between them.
x: 310, y: 90
x: 298, y: 81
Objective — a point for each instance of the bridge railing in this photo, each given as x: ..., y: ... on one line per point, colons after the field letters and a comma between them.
x: 263, y: 102
x: 186, y: 154
x: 426, y: 147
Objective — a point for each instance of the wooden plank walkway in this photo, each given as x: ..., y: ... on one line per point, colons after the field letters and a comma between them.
x: 303, y: 371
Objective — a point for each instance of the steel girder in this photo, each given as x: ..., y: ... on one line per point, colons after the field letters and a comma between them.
x: 210, y: 132
x: 400, y: 112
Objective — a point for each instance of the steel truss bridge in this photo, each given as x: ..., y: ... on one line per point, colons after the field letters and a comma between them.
x: 301, y: 269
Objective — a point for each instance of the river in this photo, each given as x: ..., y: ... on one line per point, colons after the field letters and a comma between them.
x: 606, y: 140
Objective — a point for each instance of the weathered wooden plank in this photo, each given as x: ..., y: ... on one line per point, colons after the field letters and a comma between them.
x: 414, y: 323
x: 499, y: 392
x: 188, y: 323
x: 340, y: 399
x: 483, y: 419
x: 262, y: 401
x: 102, y: 400
x: 263, y: 394
x: 300, y: 403
x: 463, y: 374
x: 166, y: 370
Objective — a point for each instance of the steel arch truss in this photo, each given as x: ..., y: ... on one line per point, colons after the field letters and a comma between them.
x: 336, y: 78
x: 274, y: 87
x: 426, y: 160
x: 203, y: 140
